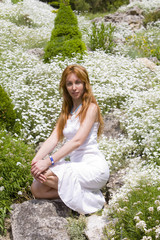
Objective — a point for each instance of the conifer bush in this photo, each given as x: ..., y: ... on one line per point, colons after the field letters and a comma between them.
x: 66, y: 39
x: 8, y: 115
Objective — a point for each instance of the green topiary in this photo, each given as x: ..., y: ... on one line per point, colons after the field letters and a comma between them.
x: 65, y: 16
x: 66, y: 39
x: 65, y: 48
x: 66, y: 32
x: 8, y: 115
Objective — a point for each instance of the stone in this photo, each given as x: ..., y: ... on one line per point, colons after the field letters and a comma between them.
x: 112, y: 126
x: 148, y: 63
x: 95, y: 225
x: 36, y: 51
x: 132, y: 16
x: 40, y: 219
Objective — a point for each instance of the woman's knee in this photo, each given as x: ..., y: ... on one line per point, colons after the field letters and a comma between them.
x: 36, y: 189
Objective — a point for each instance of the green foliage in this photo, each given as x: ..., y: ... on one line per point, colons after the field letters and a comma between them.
x: 15, y: 177
x: 65, y: 16
x: 151, y: 17
x: 16, y: 1
x: 81, y: 5
x: 76, y: 228
x: 64, y: 48
x: 137, y: 215
x: 66, y: 37
x: 113, y: 5
x: 102, y: 37
x: 23, y: 20
x: 8, y: 115
x: 141, y: 45
x: 54, y: 4
x: 63, y: 33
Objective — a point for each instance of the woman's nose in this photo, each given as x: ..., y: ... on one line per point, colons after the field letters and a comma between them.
x: 74, y: 86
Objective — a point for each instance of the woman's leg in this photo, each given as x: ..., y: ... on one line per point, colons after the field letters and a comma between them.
x: 48, y: 189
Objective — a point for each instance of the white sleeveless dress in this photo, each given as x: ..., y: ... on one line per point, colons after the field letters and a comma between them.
x: 80, y: 179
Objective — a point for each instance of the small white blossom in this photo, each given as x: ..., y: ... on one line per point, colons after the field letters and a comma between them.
x: 158, y: 208
x: 141, y: 225
x: 1, y: 188
x: 19, y: 193
x: 136, y: 218
x: 151, y: 209
x: 18, y: 163
x: 157, y: 202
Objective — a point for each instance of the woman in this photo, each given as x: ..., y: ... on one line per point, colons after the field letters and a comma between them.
x: 78, y: 181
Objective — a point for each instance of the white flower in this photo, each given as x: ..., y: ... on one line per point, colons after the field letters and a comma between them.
x: 136, y: 218
x: 19, y: 193
x: 1, y: 188
x: 151, y: 209
x: 158, y: 208
x: 141, y: 225
x: 146, y: 238
x: 18, y: 163
x: 157, y: 231
x: 157, y: 202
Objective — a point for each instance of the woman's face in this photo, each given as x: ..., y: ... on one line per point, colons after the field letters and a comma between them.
x: 75, y: 87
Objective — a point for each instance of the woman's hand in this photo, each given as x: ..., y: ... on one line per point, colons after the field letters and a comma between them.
x: 41, y: 178
x: 38, y: 167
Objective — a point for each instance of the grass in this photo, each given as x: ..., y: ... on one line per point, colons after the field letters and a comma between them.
x: 137, y: 216
x: 15, y: 180
x: 76, y: 228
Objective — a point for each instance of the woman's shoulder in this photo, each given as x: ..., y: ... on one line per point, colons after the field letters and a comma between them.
x: 93, y: 107
x: 92, y: 111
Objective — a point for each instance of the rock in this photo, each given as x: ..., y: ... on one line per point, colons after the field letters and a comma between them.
x: 149, y: 64
x: 133, y: 17
x: 95, y: 225
x: 36, y: 51
x: 39, y: 220
x: 112, y: 126
x: 115, y: 182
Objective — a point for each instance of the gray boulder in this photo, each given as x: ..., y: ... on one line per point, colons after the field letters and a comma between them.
x: 132, y: 16
x: 39, y: 220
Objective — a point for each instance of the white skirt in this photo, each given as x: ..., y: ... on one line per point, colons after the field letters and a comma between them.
x: 79, y: 183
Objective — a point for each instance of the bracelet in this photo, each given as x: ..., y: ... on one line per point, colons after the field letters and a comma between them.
x: 52, y: 161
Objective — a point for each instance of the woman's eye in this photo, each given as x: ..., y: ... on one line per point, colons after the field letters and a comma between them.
x: 69, y: 84
x: 78, y: 82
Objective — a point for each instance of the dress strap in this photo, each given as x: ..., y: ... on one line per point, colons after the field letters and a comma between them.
x: 72, y: 113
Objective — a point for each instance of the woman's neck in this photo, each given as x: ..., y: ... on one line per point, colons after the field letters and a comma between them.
x: 76, y: 104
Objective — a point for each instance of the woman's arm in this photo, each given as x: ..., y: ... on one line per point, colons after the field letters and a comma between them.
x: 47, y: 146
x: 75, y: 142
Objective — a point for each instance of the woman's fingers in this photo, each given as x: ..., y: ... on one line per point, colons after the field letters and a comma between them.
x: 41, y: 178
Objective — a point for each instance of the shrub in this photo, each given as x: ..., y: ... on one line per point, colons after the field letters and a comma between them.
x: 54, y: 4
x: 65, y: 16
x: 76, y: 228
x: 151, y: 17
x: 113, y: 5
x: 142, y: 45
x: 137, y: 215
x: 23, y: 20
x: 15, y: 177
x: 80, y: 5
x: 102, y: 37
x: 66, y: 37
x: 8, y: 115
x: 103, y: 5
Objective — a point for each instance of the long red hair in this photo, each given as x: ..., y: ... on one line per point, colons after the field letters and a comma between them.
x: 67, y: 104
